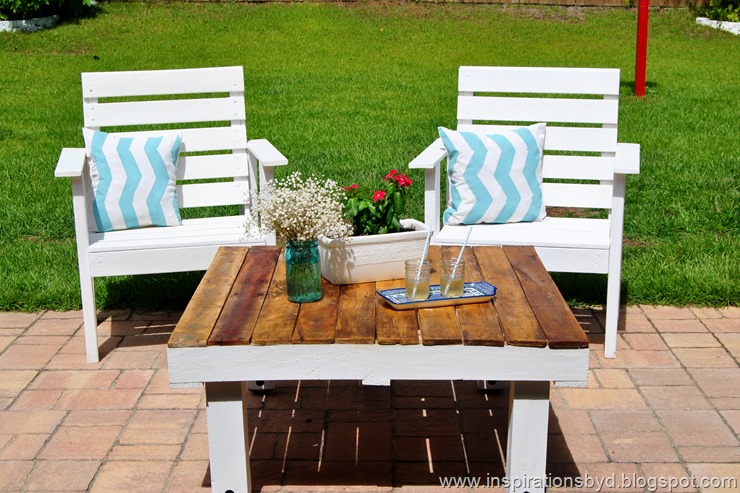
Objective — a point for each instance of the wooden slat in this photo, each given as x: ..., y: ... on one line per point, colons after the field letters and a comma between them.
x: 472, y: 270
x: 394, y: 326
x: 517, y: 319
x: 478, y: 322
x: 202, y: 312
x: 576, y: 139
x: 201, y: 139
x: 160, y: 82
x: 479, y: 325
x: 577, y: 195
x: 317, y: 321
x: 356, y: 315
x: 578, y: 167
x: 209, y: 194
x: 494, y: 109
x: 243, y: 306
x: 206, y: 233
x: 557, y: 320
x: 434, y: 255
x: 556, y: 232
x: 552, y: 80
x: 278, y: 317
x: 164, y: 112
x: 439, y: 326
x: 212, y: 166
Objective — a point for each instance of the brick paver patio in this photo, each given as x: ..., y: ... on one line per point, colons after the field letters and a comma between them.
x: 667, y: 407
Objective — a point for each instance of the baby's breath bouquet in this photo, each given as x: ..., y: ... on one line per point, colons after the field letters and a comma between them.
x: 302, y: 209
x: 299, y: 210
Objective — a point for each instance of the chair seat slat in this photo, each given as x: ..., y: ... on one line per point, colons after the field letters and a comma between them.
x: 552, y: 232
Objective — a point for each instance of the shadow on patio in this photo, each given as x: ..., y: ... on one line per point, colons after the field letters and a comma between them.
x: 667, y: 406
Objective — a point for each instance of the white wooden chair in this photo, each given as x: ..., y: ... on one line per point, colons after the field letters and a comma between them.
x: 217, y: 167
x: 584, y: 167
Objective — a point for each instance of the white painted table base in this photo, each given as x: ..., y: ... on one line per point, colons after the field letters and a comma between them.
x: 225, y: 369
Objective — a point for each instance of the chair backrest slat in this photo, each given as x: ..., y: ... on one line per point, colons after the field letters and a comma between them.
x: 162, y: 82
x: 540, y: 80
x: 585, y: 196
x: 212, y: 166
x: 164, y: 112
x: 514, y: 109
x: 204, y: 139
x: 576, y: 139
x: 577, y: 168
x: 212, y: 194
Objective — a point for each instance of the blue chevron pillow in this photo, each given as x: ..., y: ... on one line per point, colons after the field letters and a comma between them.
x: 496, y: 177
x: 133, y: 180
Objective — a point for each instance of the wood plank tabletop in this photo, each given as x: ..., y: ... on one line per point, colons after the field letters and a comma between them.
x: 242, y: 300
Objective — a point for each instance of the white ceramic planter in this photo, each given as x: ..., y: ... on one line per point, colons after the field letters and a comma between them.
x: 371, y: 258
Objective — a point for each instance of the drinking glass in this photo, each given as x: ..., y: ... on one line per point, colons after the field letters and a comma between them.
x: 452, y: 278
x: 417, y: 279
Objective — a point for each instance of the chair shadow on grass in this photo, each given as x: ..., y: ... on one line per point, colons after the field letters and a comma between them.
x: 409, y: 434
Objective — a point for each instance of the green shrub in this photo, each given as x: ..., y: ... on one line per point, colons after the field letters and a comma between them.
x: 721, y: 10
x: 28, y: 9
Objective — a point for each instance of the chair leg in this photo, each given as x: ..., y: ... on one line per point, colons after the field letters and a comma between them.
x: 614, y: 280
x: 89, y: 318
x: 612, y: 315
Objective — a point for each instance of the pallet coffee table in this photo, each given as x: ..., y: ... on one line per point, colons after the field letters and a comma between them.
x: 240, y: 327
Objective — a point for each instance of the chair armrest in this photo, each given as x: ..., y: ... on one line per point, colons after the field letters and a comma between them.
x: 71, y: 163
x: 266, y: 153
x: 627, y: 159
x: 429, y: 160
x: 430, y: 157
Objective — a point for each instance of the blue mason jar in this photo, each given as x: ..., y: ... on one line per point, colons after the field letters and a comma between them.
x: 303, y: 270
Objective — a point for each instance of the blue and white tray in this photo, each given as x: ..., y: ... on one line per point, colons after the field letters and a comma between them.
x: 475, y: 292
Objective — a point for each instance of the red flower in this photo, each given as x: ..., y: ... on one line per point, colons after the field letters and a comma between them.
x: 402, y: 180
x: 391, y: 175
x: 351, y: 187
x: 378, y: 195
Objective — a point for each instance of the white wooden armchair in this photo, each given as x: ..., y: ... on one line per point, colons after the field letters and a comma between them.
x: 584, y: 168
x: 217, y: 166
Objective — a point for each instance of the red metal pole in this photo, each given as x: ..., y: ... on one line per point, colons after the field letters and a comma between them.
x: 643, y: 9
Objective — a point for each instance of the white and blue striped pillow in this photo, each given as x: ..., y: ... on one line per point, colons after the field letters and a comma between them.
x: 133, y: 180
x: 496, y: 177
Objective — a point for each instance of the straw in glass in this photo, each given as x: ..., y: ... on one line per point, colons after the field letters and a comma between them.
x: 459, y: 255
x: 421, y: 262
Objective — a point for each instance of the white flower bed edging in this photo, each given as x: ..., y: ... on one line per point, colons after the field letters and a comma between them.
x: 29, y: 24
x: 733, y: 27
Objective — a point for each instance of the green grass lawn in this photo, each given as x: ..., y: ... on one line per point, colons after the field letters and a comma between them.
x: 351, y: 90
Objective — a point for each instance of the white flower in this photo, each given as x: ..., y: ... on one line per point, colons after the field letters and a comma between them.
x: 301, y: 209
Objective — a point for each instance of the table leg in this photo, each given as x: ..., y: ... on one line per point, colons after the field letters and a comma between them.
x: 529, y: 408
x: 226, y: 414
